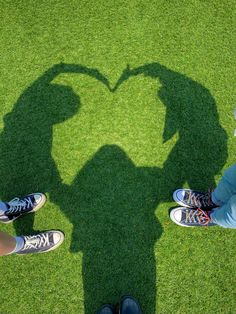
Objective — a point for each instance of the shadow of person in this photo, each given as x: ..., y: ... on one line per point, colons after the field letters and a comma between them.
x: 111, y: 204
x: 26, y: 163
x: 200, y: 151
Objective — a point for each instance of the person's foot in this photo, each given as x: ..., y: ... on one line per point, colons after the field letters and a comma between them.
x: 191, y: 217
x: 128, y: 305
x: 42, y: 242
x: 24, y: 205
x: 193, y: 199
x: 106, y: 309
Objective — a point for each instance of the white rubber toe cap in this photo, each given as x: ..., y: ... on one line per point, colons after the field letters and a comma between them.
x: 178, y: 195
x: 39, y: 197
x: 176, y: 215
x: 58, y: 237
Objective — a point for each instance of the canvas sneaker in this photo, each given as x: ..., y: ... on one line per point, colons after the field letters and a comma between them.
x: 42, y: 242
x: 106, y: 309
x: 24, y: 205
x: 193, y: 199
x: 191, y: 217
x: 129, y: 305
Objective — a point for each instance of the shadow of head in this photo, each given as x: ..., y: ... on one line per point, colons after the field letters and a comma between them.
x: 57, y: 103
x: 42, y: 107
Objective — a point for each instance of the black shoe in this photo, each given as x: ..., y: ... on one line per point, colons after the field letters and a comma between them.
x: 106, y: 309
x: 42, y: 242
x: 128, y: 305
x: 24, y: 205
x: 193, y: 199
x: 191, y: 217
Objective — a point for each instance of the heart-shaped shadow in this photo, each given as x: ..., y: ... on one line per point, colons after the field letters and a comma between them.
x: 111, y: 203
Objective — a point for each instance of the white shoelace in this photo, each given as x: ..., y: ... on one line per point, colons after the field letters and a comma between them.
x: 197, y: 216
x: 17, y: 205
x: 36, y: 241
x: 199, y: 200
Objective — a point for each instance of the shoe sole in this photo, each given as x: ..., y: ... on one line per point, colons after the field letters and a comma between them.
x: 43, y: 201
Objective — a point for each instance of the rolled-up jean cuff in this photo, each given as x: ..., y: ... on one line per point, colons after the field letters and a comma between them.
x: 223, y: 192
x: 225, y: 216
x: 215, y: 200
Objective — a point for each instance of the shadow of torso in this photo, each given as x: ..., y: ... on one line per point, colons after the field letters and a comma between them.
x: 111, y: 204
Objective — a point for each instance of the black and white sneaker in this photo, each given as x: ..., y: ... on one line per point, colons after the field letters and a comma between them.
x: 193, y: 199
x: 24, y: 205
x: 42, y: 242
x: 191, y: 217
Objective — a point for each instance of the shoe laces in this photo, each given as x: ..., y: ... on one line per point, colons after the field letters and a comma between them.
x: 199, y: 199
x: 198, y: 216
x: 17, y: 205
x: 36, y: 241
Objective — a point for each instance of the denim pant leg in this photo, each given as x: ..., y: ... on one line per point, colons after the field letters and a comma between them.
x: 225, y: 216
x: 226, y: 187
x: 225, y: 196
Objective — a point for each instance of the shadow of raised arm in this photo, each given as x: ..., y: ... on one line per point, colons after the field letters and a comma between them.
x: 61, y: 68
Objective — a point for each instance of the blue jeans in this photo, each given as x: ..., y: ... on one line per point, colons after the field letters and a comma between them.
x: 225, y: 196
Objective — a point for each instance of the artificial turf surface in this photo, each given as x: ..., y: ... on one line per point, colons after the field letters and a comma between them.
x: 142, y: 104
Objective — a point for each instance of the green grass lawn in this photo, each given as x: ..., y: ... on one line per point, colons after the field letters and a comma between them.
x: 108, y: 107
